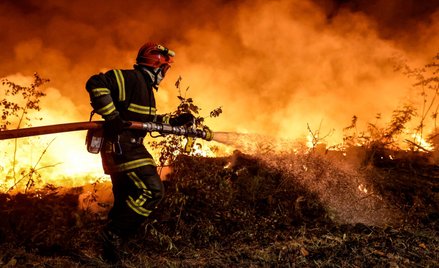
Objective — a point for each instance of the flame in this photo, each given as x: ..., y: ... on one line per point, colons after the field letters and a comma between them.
x: 422, y: 142
x: 309, y: 140
x: 315, y: 61
x: 201, y: 148
x: 58, y: 159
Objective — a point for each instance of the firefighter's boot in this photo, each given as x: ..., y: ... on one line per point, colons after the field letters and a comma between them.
x: 113, y: 247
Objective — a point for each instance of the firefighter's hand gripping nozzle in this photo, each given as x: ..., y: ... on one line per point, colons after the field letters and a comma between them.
x: 205, y: 134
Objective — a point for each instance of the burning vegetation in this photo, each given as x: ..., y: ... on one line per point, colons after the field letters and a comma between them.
x: 299, y: 210
x: 368, y: 201
x: 323, y: 155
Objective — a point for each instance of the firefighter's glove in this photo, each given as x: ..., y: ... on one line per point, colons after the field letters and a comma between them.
x: 182, y: 119
x: 113, y: 127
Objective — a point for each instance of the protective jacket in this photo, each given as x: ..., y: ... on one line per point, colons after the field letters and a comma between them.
x: 129, y: 94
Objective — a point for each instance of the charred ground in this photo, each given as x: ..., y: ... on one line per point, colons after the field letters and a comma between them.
x: 247, y: 211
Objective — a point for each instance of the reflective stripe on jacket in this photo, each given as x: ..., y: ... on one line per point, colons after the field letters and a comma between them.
x: 127, y: 93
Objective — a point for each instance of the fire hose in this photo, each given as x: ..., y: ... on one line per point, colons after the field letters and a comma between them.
x: 204, y: 133
x: 189, y: 132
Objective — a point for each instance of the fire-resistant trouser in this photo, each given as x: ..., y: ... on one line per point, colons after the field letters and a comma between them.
x: 136, y: 194
x: 137, y: 187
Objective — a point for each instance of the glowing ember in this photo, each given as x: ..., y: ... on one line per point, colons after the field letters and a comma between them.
x: 227, y: 165
x: 362, y: 188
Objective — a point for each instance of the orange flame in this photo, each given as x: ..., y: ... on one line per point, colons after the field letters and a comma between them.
x: 272, y: 74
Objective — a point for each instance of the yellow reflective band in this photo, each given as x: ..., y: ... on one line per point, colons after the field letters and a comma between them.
x: 140, y: 185
x: 166, y: 119
x: 138, y: 209
x: 121, y: 84
x: 142, y: 198
x: 138, y: 202
x: 141, y: 109
x: 147, y: 193
x: 134, y: 164
x: 107, y: 109
x: 137, y: 181
x: 96, y: 92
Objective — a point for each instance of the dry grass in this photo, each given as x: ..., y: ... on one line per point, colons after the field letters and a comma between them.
x: 275, y: 211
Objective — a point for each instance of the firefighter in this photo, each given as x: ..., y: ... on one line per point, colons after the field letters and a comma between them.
x: 120, y: 96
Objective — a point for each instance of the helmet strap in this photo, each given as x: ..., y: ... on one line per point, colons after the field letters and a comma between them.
x: 158, y: 76
x: 154, y: 74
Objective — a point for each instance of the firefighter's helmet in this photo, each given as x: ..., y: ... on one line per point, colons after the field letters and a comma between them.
x: 155, y: 56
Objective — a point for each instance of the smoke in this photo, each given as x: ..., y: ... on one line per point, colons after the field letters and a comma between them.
x: 348, y: 195
x: 273, y: 66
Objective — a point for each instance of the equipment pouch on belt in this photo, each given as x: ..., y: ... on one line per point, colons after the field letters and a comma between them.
x: 94, y: 140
